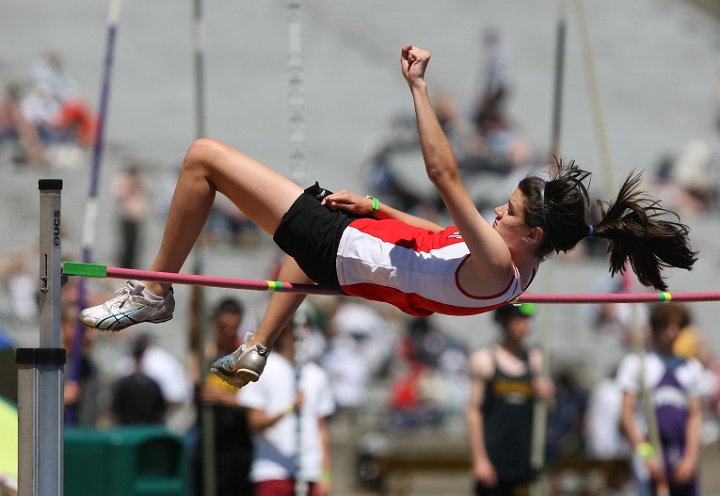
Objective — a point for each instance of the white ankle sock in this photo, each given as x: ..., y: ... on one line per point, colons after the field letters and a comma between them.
x: 150, y: 296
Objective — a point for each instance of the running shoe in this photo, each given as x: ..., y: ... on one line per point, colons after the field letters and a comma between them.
x: 242, y: 365
x: 129, y: 307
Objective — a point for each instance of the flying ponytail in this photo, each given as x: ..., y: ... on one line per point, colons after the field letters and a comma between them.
x: 635, y: 225
x: 636, y: 231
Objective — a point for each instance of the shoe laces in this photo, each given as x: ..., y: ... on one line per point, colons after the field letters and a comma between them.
x: 126, y: 294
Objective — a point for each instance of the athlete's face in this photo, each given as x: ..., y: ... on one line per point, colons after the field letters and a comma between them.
x: 226, y: 328
x: 665, y: 336
x: 510, y: 218
x: 517, y: 329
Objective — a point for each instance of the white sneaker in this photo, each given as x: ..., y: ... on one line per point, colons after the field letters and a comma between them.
x: 129, y: 307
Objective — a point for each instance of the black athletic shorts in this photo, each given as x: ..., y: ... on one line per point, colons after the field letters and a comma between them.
x: 310, y: 233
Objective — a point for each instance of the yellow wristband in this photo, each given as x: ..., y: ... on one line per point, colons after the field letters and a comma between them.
x: 645, y: 450
x: 375, y: 205
x: 326, y: 476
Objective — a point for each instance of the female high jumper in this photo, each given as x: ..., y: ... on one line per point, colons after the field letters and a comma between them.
x: 361, y: 247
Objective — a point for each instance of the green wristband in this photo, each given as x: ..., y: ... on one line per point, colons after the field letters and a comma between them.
x: 375, y: 205
x: 645, y: 450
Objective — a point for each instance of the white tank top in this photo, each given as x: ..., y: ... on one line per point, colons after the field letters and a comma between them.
x: 414, y: 269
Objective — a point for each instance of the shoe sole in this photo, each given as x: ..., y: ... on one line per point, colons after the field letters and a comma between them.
x: 153, y: 321
x: 237, y: 380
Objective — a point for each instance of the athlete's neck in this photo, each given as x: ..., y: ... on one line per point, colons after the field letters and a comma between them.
x: 512, y: 347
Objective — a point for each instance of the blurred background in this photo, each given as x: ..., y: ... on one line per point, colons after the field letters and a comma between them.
x: 640, y: 91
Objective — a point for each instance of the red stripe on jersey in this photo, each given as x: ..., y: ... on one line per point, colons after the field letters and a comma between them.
x: 407, y: 236
x: 412, y: 304
x: 513, y: 282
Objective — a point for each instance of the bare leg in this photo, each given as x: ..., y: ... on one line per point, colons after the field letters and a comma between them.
x: 247, y: 363
x: 259, y: 192
x: 282, y: 306
x: 209, y: 166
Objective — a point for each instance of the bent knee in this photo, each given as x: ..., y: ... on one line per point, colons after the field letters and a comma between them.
x: 203, y: 153
x: 202, y: 149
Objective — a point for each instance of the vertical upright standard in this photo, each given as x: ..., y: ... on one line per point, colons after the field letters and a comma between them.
x: 40, y: 370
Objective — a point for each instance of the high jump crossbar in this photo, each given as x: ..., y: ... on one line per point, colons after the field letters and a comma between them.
x: 80, y: 269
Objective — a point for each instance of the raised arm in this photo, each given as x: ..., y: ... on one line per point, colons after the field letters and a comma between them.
x: 487, y: 247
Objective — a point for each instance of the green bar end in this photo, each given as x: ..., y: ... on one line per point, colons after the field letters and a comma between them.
x: 84, y: 269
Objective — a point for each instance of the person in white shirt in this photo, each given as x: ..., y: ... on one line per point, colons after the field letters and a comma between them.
x: 605, y: 439
x: 275, y: 405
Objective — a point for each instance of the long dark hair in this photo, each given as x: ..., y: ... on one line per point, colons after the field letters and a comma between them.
x: 632, y: 224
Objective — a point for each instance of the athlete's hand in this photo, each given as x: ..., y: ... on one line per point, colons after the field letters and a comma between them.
x: 349, y: 202
x: 323, y: 488
x: 484, y: 472
x: 685, y: 470
x: 655, y: 469
x: 213, y: 392
x: 299, y: 400
x: 71, y: 392
x: 414, y: 61
x: 543, y: 388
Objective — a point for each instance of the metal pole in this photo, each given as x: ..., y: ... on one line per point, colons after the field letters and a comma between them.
x: 646, y: 394
x: 40, y: 370
x: 559, y: 72
x: 199, y: 64
x: 296, y: 98
x: 646, y: 397
x: 198, y: 332
x: 91, y: 208
x: 296, y: 93
x: 300, y: 324
x: 50, y: 258
x: 207, y: 425
x: 27, y: 421
x: 598, y: 114
x: 540, y: 407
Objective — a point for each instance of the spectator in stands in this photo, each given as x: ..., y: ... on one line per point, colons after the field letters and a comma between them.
x: 566, y: 429
x: 18, y: 276
x: 137, y: 398
x: 505, y: 382
x: 696, y: 172
x: 66, y: 116
x: 604, y: 436
x: 132, y: 197
x: 433, y: 388
x: 361, y: 343
x: 80, y: 392
x: 670, y: 192
x: 690, y: 343
x: 164, y: 368
x: 276, y: 403
x: 232, y: 437
x: 18, y: 130
x: 496, y: 84
x: 673, y: 384
x: 8, y: 368
x: 42, y: 111
x: 412, y: 404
